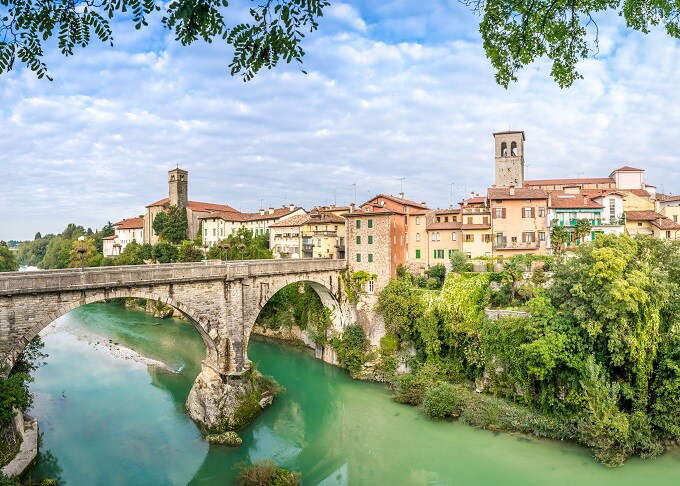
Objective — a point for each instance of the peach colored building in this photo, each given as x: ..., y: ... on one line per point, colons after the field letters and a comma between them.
x: 519, y: 219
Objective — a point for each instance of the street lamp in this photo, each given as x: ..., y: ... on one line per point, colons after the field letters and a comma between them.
x: 81, y: 249
x: 205, y: 252
x: 226, y: 247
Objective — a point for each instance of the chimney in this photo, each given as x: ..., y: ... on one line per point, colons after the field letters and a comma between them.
x: 261, y: 211
x: 512, y: 190
x: 401, y: 195
x: 271, y: 210
x: 352, y: 207
x: 291, y: 207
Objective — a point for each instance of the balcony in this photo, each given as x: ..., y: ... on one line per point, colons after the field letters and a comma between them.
x: 504, y: 245
x: 332, y: 234
x: 596, y: 222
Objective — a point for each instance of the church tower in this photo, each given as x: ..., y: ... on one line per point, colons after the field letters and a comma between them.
x: 509, y: 158
x: 178, y: 187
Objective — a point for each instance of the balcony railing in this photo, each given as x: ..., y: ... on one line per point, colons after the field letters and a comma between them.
x: 597, y: 222
x: 505, y: 245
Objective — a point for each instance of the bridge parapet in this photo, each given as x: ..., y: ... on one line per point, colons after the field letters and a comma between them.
x: 13, y: 283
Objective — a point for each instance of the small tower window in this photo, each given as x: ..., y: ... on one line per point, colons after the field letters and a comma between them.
x: 513, y: 149
x: 504, y: 149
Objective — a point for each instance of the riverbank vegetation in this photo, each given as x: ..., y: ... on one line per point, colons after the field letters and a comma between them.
x: 596, y: 360
x: 266, y: 473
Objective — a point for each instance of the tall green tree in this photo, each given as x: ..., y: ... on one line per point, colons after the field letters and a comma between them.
x: 558, y: 238
x: 243, y: 245
x: 172, y: 225
x: 581, y: 229
x: 8, y: 262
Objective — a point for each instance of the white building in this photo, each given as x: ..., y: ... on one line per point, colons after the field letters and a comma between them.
x: 219, y: 225
x: 126, y: 231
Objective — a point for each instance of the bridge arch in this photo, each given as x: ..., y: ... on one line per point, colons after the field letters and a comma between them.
x: 327, y: 287
x: 44, y: 317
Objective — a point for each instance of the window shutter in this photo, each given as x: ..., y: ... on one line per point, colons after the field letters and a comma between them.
x: 503, y: 213
x: 533, y: 212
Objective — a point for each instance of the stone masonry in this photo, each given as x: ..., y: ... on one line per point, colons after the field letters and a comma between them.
x: 222, y: 300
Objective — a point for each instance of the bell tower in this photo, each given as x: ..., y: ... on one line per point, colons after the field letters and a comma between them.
x: 178, y: 187
x: 509, y: 147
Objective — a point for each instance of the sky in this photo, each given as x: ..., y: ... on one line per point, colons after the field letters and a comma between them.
x: 398, y: 95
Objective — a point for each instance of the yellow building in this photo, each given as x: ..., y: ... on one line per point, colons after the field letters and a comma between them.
x: 313, y: 235
x: 652, y: 223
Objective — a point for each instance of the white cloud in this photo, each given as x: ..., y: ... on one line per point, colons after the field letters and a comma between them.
x: 346, y: 14
x: 95, y: 144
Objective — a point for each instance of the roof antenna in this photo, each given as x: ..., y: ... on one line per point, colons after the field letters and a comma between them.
x: 401, y: 192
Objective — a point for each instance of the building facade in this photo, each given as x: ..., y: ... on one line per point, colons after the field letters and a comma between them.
x: 313, y: 235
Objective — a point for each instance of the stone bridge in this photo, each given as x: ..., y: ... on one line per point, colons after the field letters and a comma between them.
x: 222, y: 299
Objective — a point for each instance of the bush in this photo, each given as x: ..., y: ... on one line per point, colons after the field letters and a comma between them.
x: 266, y: 473
x: 538, y: 277
x: 433, y: 284
x: 436, y: 273
x: 165, y: 252
x: 459, y: 261
x: 441, y: 401
x: 502, y: 297
x: 351, y: 347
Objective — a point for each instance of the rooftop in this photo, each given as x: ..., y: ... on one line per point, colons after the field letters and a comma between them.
x: 130, y: 223
x: 197, y: 206
x: 497, y: 193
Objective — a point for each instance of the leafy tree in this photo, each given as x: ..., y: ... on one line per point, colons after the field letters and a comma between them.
x: 57, y: 253
x: 131, y: 255
x: 351, y: 347
x: 189, y: 252
x: 8, y: 262
x: 513, y: 272
x: 518, y: 32
x: 90, y: 258
x: 558, y: 238
x: 172, y: 225
x: 146, y: 252
x: 37, y: 236
x: 165, y: 252
x: 438, y: 274
x: 274, y: 33
x: 459, y: 261
x: 581, y: 229
x: 243, y: 245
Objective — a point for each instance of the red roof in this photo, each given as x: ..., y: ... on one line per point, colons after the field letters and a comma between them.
x: 497, y: 193
x: 112, y: 237
x: 667, y: 198
x: 236, y: 216
x: 398, y: 200
x: 627, y: 168
x: 130, y: 223
x: 311, y: 218
x: 197, y: 206
x: 643, y: 215
x: 474, y: 201
x: 371, y: 209
x: 588, y: 180
x: 561, y: 200
x: 444, y: 226
x: 666, y: 224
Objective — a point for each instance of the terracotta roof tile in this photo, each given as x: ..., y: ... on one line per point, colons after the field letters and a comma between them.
x: 561, y: 200
x: 130, y: 223
x: 519, y: 193
x: 399, y: 200
x: 642, y: 215
x: 197, y: 206
x: 112, y: 237
x: 627, y: 168
x: 638, y: 192
x: 444, y: 226
x: 311, y: 218
x: 587, y: 180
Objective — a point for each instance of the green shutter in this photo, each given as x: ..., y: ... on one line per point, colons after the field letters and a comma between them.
x: 358, y: 223
x: 370, y: 239
x: 358, y: 240
x: 435, y: 253
x: 358, y: 257
x: 417, y: 253
x: 370, y: 223
x: 370, y: 257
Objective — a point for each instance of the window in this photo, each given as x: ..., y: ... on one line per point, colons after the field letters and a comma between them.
x: 541, y: 236
x: 453, y: 236
x: 370, y: 223
x: 370, y: 239
x: 469, y: 221
x: 469, y: 238
x: 417, y: 219
x: 371, y: 286
x: 668, y: 234
x: 417, y: 236
x: 675, y: 218
x: 513, y: 149
x: 417, y: 254
x: 358, y: 224
x: 358, y: 257
x: 639, y: 224
x: 486, y: 220
x: 358, y: 240
x: 527, y: 212
x: 541, y: 212
x: 499, y: 213
x: 450, y: 254
x: 528, y: 237
x: 438, y: 219
x: 487, y: 238
x: 504, y: 149
x: 205, y: 231
x: 446, y: 219
x: 370, y: 258
x: 513, y: 239
x: 438, y: 254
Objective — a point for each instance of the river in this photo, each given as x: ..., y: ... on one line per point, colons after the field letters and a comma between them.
x: 108, y: 417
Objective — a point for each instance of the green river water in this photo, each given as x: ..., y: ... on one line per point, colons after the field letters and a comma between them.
x: 107, y: 420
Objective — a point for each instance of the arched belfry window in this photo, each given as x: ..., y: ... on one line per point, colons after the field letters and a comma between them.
x: 172, y: 177
x: 504, y: 149
x: 513, y: 149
